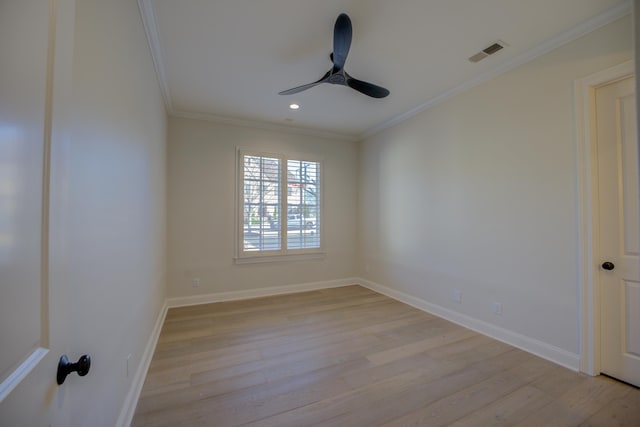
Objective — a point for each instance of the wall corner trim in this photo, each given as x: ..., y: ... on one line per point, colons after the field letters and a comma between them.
x: 150, y: 23
x: 131, y: 400
x: 531, y: 345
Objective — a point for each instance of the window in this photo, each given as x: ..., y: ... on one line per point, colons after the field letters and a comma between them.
x: 279, y: 205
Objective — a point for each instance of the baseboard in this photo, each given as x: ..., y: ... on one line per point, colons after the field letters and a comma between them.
x: 539, y: 348
x: 256, y: 293
x: 131, y: 401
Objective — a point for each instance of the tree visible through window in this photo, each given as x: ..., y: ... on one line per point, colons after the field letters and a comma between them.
x: 280, y: 203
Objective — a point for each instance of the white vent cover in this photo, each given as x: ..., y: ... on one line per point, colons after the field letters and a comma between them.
x: 489, y: 50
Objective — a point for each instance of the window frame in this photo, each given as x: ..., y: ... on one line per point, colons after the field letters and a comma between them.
x: 284, y: 253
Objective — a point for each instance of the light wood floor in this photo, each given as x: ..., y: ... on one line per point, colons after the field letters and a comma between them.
x: 351, y: 357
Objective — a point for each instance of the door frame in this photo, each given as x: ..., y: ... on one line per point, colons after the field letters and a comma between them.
x: 588, y: 212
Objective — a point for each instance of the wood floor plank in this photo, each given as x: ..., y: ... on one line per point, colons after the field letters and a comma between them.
x: 347, y: 401
x: 351, y: 357
x: 623, y: 412
x: 577, y: 403
x: 455, y: 406
x: 420, y: 346
x: 444, y: 381
x: 507, y: 411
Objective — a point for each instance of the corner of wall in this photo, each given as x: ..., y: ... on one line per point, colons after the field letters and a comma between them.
x: 131, y: 400
x: 541, y: 349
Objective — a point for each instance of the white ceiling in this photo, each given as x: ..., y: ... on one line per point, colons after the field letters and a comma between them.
x: 226, y: 60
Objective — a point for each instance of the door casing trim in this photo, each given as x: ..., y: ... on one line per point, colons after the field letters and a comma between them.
x: 588, y: 212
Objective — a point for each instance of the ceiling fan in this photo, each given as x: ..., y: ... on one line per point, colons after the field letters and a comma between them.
x: 337, y: 75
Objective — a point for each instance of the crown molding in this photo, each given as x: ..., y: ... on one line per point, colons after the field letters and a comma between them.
x: 576, y: 32
x: 151, y: 30
x: 150, y: 24
x: 254, y: 124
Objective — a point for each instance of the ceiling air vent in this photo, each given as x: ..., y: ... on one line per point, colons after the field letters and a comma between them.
x: 489, y: 50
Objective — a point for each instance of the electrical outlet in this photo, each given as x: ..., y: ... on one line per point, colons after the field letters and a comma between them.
x: 195, y: 282
x: 497, y: 308
x: 457, y: 296
x: 127, y: 364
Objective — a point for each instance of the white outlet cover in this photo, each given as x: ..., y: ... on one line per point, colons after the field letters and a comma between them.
x: 497, y: 308
x: 457, y: 296
x: 128, y: 358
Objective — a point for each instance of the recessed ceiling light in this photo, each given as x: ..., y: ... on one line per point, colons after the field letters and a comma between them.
x: 294, y: 106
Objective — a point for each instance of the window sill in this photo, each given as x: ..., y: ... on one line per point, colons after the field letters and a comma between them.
x: 261, y: 259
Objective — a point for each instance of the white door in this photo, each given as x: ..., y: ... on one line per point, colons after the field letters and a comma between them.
x: 619, y: 231
x: 33, y: 319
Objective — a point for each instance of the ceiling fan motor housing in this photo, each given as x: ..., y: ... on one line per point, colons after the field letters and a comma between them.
x: 338, y: 78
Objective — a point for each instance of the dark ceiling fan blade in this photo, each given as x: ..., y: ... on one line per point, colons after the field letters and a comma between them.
x: 368, y: 89
x: 305, y: 87
x: 342, y: 33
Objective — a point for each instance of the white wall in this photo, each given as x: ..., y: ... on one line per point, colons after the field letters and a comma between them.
x: 636, y: 54
x: 111, y: 201
x: 479, y: 194
x: 107, y: 224
x: 201, y: 213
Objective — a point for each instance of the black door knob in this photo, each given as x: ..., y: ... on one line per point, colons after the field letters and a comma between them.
x: 608, y: 265
x: 65, y: 367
